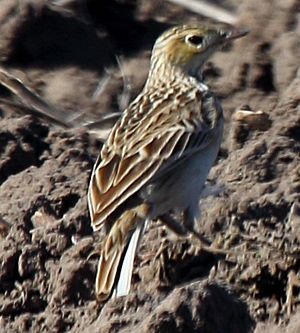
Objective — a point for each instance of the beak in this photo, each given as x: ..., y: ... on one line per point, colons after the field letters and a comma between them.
x: 234, y: 34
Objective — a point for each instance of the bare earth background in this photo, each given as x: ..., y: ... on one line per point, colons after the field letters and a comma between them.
x: 66, y: 51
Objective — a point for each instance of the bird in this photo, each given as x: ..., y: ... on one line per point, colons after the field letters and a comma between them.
x: 157, y: 156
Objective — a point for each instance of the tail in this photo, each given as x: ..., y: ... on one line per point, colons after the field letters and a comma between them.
x: 117, y: 255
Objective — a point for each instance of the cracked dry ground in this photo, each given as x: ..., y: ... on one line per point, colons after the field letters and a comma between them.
x: 46, y: 271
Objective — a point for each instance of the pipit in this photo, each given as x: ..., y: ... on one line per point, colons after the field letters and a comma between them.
x: 158, y: 155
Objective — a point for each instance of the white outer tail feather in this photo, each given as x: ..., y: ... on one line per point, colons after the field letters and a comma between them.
x: 123, y: 286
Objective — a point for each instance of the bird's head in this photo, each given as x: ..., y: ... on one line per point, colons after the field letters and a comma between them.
x: 188, y: 47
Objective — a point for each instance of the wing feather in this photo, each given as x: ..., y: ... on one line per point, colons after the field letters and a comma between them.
x: 104, y: 177
x: 108, y: 201
x: 137, y: 151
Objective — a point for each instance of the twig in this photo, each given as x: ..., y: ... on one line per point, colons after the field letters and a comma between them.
x: 101, y: 85
x: 100, y: 128
x: 29, y: 110
x: 34, y: 102
x: 209, y: 10
x: 106, y: 122
x: 125, y: 96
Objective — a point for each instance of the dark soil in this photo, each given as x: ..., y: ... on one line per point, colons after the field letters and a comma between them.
x: 66, y: 51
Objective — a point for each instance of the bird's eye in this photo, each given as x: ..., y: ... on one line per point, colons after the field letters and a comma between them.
x: 194, y: 40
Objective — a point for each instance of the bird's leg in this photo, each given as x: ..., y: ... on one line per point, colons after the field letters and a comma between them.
x: 185, y: 230
x: 173, y: 225
x: 188, y: 222
x: 196, y: 237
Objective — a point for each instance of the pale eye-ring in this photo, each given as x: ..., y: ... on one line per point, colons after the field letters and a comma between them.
x: 194, y: 40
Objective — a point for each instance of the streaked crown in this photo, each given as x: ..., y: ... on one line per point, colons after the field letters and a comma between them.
x: 189, y: 46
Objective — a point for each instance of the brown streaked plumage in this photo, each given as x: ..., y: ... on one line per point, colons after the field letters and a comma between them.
x: 157, y: 156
